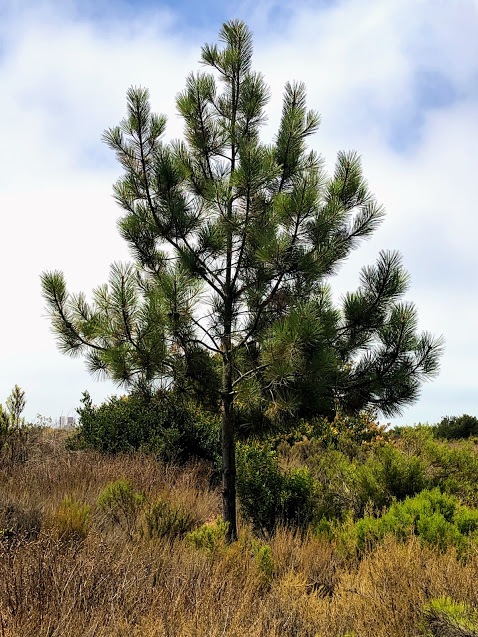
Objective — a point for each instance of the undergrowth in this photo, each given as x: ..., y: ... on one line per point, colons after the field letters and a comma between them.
x: 126, y: 545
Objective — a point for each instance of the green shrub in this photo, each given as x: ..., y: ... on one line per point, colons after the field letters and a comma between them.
x: 259, y: 486
x: 209, y: 537
x: 349, y: 434
x: 445, y: 618
x: 298, y: 506
x: 14, y: 430
x: 265, y: 563
x: 120, y: 505
x: 390, y: 474
x: 71, y: 520
x: 438, y: 519
x: 163, y: 519
x: 268, y: 496
x: 161, y: 424
x: 371, y: 481
x: 451, y: 467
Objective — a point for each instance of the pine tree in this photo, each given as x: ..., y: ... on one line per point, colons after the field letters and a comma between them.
x: 234, y: 242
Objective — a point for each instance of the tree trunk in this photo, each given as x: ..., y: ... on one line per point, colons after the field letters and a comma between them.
x: 228, y: 454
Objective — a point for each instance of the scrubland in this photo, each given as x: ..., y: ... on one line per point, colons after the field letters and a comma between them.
x: 129, y: 545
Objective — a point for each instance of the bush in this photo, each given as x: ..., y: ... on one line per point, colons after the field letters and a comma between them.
x: 160, y: 424
x: 210, y: 536
x: 259, y: 485
x: 266, y: 566
x: 120, y: 505
x: 455, y: 427
x: 452, y: 468
x: 298, y: 499
x: 390, y: 474
x: 268, y: 496
x: 346, y: 485
x: 444, y: 618
x: 14, y: 430
x: 163, y: 519
x: 71, y: 520
x: 438, y: 519
x: 349, y: 434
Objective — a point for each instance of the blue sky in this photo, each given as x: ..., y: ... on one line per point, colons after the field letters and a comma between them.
x: 397, y: 81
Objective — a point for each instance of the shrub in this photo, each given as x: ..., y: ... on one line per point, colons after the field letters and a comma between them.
x: 14, y: 430
x: 298, y: 498
x: 349, y: 433
x: 438, y: 519
x: 452, y: 468
x: 389, y: 473
x: 163, y: 519
x: 209, y: 537
x: 268, y: 496
x: 444, y: 618
x: 120, y: 505
x: 371, y: 481
x: 265, y: 563
x: 259, y: 486
x: 71, y: 520
x: 161, y: 424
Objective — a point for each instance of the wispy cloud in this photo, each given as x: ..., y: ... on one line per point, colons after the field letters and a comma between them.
x: 398, y: 81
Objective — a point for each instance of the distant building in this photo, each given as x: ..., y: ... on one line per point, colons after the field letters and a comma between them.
x: 66, y: 422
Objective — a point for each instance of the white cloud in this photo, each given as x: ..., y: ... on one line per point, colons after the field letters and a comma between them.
x: 64, y: 81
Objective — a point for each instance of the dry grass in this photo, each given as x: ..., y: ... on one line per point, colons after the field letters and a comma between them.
x: 107, y: 585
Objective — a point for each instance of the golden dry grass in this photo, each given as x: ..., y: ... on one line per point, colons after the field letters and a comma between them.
x: 110, y: 586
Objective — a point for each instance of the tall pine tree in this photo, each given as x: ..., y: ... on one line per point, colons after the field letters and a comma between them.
x: 234, y: 243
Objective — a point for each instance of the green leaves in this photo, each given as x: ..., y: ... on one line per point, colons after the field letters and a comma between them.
x: 296, y: 124
x: 129, y: 329
x: 385, y: 358
x: 233, y: 242
x: 235, y: 59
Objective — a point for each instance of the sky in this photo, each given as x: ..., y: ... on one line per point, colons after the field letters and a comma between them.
x: 396, y: 80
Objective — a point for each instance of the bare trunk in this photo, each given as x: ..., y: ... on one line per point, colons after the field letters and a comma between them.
x: 228, y: 454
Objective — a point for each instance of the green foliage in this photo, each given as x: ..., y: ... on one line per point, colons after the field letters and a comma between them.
x: 298, y: 498
x: 372, y: 478
x: 451, y: 467
x: 349, y: 434
x: 392, y: 474
x: 455, y: 427
x: 15, y: 405
x: 209, y: 537
x: 259, y: 485
x: 161, y: 424
x: 262, y: 554
x: 438, y: 519
x: 71, y: 520
x: 268, y: 496
x: 164, y: 519
x: 444, y: 617
x: 260, y: 228
x: 120, y: 505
